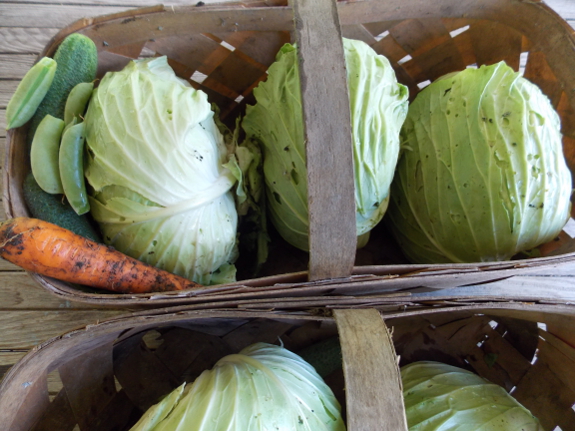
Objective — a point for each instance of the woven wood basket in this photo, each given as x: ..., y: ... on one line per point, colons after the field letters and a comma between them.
x: 103, y: 376
x: 226, y: 50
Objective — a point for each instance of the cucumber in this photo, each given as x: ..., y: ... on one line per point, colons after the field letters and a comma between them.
x: 324, y: 356
x: 77, y: 60
x: 54, y: 209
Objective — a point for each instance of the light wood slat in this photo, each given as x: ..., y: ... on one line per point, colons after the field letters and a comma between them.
x: 7, y: 89
x: 145, y: 3
x: 3, y: 122
x: 26, y: 329
x: 20, y: 291
x: 59, y: 15
x: 10, y: 358
x: 15, y: 66
x: 533, y: 287
x: 329, y: 157
x: 565, y: 8
x: 374, y: 397
x: 24, y: 40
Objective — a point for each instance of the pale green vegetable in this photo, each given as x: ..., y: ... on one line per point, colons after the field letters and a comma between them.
x: 156, y: 167
x: 440, y: 397
x: 44, y: 154
x: 30, y: 92
x: 482, y: 175
x: 262, y: 388
x: 378, y: 106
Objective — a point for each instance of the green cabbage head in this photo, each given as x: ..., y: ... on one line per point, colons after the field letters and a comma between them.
x: 482, y: 175
x: 262, y: 388
x: 378, y: 107
x: 440, y: 397
x: 156, y: 166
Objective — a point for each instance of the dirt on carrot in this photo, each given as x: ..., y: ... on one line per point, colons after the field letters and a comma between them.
x: 52, y: 251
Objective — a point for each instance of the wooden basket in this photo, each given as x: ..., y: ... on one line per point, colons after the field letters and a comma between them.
x: 226, y: 50
x: 103, y: 376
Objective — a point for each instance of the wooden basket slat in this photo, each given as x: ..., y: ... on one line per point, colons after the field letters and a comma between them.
x: 93, y: 369
x: 551, y: 406
x: 57, y: 415
x: 494, y: 42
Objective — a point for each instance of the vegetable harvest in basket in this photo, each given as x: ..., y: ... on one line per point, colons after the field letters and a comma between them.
x: 262, y: 388
x: 266, y: 387
x: 477, y: 172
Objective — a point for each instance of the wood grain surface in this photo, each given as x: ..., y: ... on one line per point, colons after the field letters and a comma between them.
x: 28, y: 314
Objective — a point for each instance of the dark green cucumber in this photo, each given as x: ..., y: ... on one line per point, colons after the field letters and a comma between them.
x: 77, y: 61
x: 324, y: 356
x: 55, y: 209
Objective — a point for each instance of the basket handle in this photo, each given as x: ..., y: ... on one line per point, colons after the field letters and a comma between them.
x: 374, y: 395
x: 327, y: 131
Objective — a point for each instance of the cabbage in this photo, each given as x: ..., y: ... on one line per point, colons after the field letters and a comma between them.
x: 156, y: 165
x: 378, y: 108
x: 263, y: 388
x: 482, y: 174
x: 440, y: 397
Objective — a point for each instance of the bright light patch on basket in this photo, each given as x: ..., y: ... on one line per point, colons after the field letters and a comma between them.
x: 458, y: 31
x: 471, y: 66
x: 493, y: 324
x: 198, y: 77
x: 227, y: 45
x: 541, y: 325
x: 557, y: 428
x: 534, y: 357
x: 239, y: 98
x: 405, y: 59
x: 381, y: 35
x: 424, y: 84
x: 569, y: 228
x: 523, y: 61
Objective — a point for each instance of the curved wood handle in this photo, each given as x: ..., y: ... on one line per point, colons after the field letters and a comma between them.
x: 373, y: 389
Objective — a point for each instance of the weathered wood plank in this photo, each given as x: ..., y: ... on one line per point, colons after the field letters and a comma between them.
x: 11, y: 357
x: 3, y: 122
x: 24, y: 40
x: 20, y: 291
x: 25, y: 329
x: 15, y: 66
x: 7, y: 89
x: 49, y: 15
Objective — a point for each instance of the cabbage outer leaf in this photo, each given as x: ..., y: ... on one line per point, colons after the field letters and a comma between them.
x: 482, y: 174
x: 155, y: 166
x: 440, y: 397
x: 262, y: 388
x: 378, y: 106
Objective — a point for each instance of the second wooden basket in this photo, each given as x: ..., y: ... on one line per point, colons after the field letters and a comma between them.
x: 226, y: 50
x: 104, y: 376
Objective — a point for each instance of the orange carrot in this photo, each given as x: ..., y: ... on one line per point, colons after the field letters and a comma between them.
x: 50, y: 250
